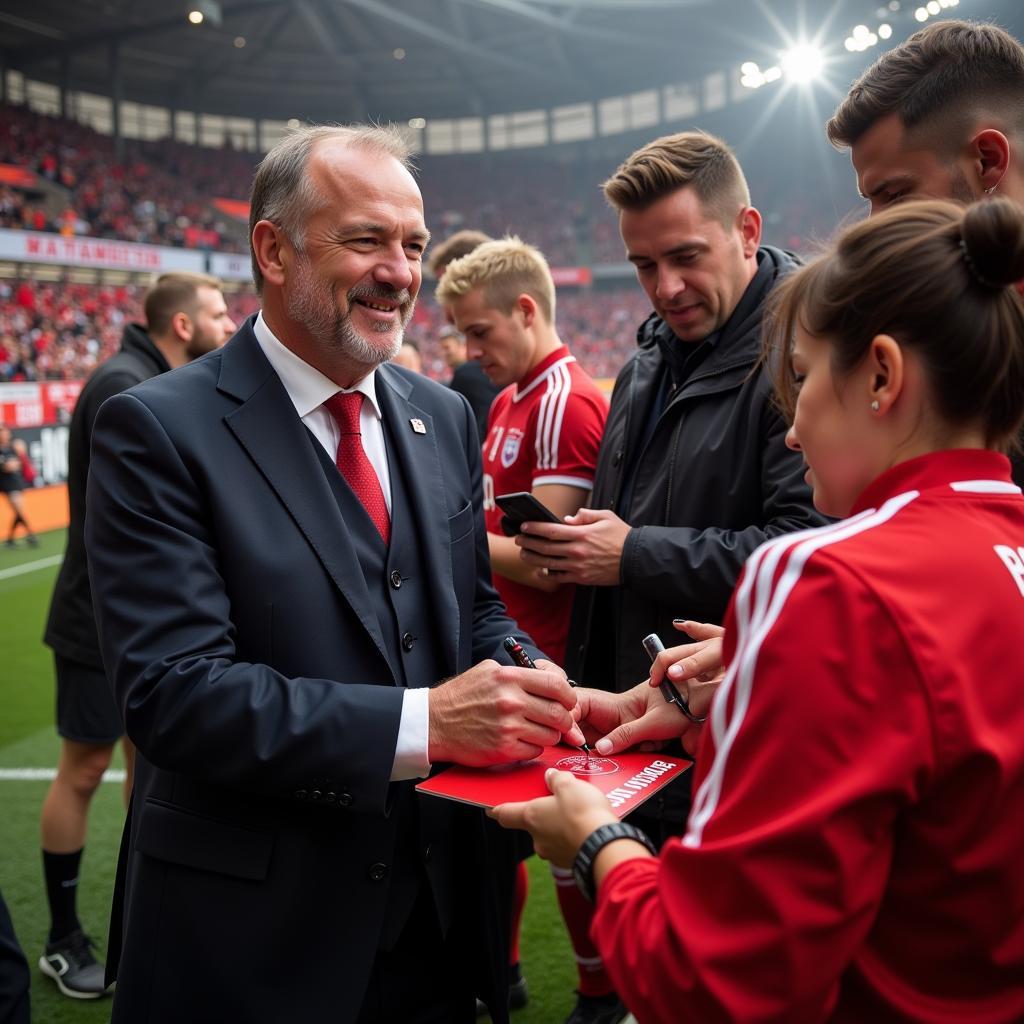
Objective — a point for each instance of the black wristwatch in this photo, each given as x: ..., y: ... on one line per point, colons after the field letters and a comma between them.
x: 583, y: 865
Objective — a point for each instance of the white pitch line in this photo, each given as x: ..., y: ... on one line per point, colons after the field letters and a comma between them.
x: 49, y: 774
x: 39, y: 563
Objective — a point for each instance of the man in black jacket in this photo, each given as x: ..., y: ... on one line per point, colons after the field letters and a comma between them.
x: 186, y: 317
x: 693, y: 472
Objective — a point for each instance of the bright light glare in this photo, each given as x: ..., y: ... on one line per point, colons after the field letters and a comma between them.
x: 749, y: 68
x: 884, y: 31
x: 196, y: 17
x: 803, y: 63
x: 850, y: 43
x: 921, y: 14
x: 773, y: 74
x: 860, y: 32
x: 418, y: 123
x: 933, y: 6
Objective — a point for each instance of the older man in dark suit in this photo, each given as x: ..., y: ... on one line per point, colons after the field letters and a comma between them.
x: 287, y: 554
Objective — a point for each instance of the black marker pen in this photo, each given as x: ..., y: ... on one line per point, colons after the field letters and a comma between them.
x: 653, y: 646
x: 518, y: 654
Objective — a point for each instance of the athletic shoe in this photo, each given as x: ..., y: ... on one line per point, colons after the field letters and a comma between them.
x: 518, y: 993
x: 69, y: 961
x: 9, y: 543
x: 597, y: 1010
x: 33, y: 540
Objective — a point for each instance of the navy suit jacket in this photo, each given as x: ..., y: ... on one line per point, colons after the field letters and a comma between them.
x: 237, y: 630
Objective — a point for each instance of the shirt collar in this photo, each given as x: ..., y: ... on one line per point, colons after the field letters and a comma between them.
x: 962, y: 469
x: 542, y: 369
x: 307, y: 387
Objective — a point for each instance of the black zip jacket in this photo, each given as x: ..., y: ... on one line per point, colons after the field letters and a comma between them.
x: 713, y: 481
x: 71, y: 625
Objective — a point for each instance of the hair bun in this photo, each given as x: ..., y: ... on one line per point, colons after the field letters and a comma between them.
x: 992, y: 239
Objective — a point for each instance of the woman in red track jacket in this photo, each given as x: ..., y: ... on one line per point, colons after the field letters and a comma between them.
x: 855, y: 850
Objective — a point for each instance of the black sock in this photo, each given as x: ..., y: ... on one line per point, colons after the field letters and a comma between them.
x: 61, y: 872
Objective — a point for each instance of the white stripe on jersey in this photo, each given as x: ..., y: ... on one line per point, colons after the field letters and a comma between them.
x: 985, y: 487
x: 520, y: 395
x: 753, y: 626
x: 551, y: 410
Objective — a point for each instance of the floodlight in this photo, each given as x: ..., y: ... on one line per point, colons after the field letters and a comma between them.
x: 749, y: 68
x: 773, y: 74
x: 933, y: 6
x: 803, y: 63
x: 921, y: 14
x: 850, y: 43
x: 860, y: 32
x: 205, y: 10
x: 417, y: 123
x: 884, y: 31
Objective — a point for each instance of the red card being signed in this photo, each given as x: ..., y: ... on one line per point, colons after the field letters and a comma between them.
x: 627, y: 780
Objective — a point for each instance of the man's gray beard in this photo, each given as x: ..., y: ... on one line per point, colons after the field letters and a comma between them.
x: 312, y: 304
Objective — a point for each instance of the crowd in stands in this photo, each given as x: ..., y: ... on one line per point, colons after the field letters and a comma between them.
x: 62, y: 331
x: 162, y: 192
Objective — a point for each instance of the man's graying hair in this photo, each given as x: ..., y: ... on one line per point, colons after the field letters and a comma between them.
x: 284, y: 194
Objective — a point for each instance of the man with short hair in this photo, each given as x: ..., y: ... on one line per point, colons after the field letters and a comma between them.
x: 693, y: 472
x: 468, y: 379
x: 941, y: 116
x: 289, y: 563
x: 186, y: 317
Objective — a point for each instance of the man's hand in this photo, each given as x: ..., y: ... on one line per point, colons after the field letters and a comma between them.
x: 587, y: 550
x: 494, y: 714
x: 558, y: 823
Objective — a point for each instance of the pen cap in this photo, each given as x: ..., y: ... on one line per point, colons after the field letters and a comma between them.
x: 653, y: 645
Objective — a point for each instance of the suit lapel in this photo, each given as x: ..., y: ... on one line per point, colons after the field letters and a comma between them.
x: 415, y: 454
x: 268, y: 428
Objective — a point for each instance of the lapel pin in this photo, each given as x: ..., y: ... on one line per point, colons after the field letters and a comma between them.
x: 418, y: 426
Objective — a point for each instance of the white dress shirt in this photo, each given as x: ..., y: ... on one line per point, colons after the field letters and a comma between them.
x: 308, y: 389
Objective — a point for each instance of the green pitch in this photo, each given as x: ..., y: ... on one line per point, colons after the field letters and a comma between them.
x: 28, y: 740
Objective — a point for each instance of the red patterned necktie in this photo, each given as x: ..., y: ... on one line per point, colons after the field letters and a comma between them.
x: 352, y: 462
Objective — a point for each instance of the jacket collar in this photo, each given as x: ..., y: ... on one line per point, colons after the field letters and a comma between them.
x: 960, y: 470
x: 136, y: 339
x: 738, y: 344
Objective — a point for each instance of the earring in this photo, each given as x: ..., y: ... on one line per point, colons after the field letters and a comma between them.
x: 990, y: 190
x: 874, y: 405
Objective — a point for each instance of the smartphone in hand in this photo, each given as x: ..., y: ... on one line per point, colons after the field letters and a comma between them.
x: 522, y: 507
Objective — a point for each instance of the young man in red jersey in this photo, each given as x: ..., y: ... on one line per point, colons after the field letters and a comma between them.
x: 544, y: 428
x: 543, y: 434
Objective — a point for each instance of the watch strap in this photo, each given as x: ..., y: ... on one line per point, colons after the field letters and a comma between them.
x: 583, y: 865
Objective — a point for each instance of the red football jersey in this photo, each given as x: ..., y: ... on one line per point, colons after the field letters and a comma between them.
x: 855, y: 849
x: 544, y: 430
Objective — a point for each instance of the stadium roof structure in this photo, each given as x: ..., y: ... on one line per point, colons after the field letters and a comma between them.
x: 342, y: 60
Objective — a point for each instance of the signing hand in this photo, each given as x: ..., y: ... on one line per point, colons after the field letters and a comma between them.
x: 558, y: 823
x: 495, y: 714
x: 586, y: 550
